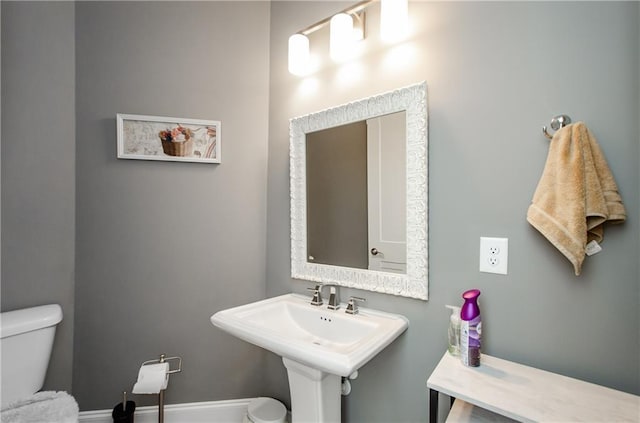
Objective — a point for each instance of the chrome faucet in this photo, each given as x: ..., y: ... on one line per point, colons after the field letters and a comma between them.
x: 352, y: 307
x: 316, y: 300
x: 334, y: 300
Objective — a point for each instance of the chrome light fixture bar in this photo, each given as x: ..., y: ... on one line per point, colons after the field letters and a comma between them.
x: 347, y: 27
x: 356, y: 10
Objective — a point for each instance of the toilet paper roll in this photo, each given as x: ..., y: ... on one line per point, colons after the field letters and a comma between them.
x: 152, y: 378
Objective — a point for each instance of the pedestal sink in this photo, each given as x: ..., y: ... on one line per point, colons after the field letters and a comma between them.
x: 318, y: 346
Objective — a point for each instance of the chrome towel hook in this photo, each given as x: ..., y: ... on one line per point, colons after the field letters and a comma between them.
x: 557, y: 122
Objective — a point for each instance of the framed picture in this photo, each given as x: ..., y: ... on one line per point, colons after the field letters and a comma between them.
x: 170, y: 139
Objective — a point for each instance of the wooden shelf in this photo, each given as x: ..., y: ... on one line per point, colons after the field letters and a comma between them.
x: 528, y: 394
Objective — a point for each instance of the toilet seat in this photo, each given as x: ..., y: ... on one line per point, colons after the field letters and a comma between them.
x: 266, y: 410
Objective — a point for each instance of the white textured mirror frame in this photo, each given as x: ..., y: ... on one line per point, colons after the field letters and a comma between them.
x: 414, y: 284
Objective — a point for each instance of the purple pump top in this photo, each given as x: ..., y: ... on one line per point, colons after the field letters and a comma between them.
x: 470, y: 309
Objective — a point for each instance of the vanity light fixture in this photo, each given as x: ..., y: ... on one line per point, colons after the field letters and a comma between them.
x: 347, y: 27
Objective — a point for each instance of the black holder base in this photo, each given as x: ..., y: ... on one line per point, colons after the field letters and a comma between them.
x: 123, y: 416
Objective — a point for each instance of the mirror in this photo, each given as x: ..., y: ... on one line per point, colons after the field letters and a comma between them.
x: 356, y: 211
x: 337, y: 191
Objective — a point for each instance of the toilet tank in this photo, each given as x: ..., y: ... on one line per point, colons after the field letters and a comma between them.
x: 26, y: 342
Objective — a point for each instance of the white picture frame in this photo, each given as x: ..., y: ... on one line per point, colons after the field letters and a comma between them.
x: 139, y: 137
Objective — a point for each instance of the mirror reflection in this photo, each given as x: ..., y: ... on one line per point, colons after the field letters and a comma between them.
x: 356, y: 194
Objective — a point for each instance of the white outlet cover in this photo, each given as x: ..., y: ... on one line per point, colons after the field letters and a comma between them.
x: 494, y: 255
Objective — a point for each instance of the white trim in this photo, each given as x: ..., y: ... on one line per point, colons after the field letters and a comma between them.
x: 228, y: 411
x: 414, y: 283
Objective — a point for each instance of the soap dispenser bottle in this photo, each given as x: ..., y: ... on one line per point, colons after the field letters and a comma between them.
x: 470, y: 329
x: 454, y: 330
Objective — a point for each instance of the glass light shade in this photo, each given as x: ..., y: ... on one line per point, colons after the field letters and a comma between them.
x: 341, y: 39
x: 394, y: 20
x: 298, y: 54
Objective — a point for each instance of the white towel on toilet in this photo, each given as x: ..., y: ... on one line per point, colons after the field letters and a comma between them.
x: 42, y: 407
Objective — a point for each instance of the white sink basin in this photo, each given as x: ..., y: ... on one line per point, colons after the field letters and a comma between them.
x: 328, y: 340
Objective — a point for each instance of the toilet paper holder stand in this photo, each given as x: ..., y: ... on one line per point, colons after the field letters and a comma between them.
x: 163, y: 359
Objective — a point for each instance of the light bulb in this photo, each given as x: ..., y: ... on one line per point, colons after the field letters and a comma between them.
x: 341, y: 38
x: 298, y: 54
x: 394, y: 20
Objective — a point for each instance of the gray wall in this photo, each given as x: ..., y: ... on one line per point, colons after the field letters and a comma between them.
x: 496, y: 72
x: 161, y: 246
x: 38, y: 167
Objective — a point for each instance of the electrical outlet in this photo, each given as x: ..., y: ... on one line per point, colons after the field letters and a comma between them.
x: 494, y: 255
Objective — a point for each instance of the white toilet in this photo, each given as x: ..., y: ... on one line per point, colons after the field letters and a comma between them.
x: 26, y: 340
x: 265, y: 410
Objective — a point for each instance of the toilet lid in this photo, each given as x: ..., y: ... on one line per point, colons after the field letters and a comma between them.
x: 266, y: 410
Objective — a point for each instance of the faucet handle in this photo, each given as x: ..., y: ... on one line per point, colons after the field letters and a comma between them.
x: 317, y: 296
x: 352, y: 307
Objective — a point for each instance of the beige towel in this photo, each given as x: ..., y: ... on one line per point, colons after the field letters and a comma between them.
x: 576, y: 194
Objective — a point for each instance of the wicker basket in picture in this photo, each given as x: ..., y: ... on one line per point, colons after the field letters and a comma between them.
x: 178, y: 148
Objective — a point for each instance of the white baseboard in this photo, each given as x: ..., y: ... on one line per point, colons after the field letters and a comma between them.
x: 230, y: 411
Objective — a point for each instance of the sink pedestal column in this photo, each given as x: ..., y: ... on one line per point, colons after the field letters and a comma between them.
x: 315, y: 395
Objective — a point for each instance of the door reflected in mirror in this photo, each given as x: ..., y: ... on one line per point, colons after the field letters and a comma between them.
x: 356, y: 194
